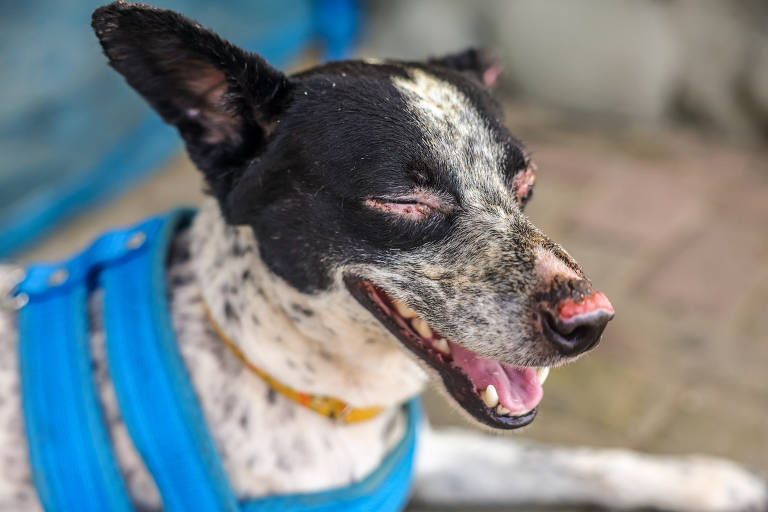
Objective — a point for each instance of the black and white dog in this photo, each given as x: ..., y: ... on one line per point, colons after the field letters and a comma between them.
x: 364, y: 233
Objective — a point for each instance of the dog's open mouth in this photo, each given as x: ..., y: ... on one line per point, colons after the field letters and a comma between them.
x: 497, y: 394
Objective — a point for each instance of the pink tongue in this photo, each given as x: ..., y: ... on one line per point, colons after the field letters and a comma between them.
x: 518, y: 388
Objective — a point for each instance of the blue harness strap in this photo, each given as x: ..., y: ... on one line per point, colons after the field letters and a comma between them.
x: 72, y: 461
x: 73, y: 467
x: 157, y: 401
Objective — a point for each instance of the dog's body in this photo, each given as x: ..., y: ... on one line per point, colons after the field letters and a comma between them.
x: 398, y: 174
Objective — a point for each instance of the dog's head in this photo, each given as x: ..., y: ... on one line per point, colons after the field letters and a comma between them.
x: 395, y: 183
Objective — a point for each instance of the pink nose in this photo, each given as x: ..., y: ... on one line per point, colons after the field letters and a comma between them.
x: 575, y: 326
x: 568, y: 309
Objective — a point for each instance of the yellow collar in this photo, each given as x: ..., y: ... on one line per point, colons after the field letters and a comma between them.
x: 327, y: 406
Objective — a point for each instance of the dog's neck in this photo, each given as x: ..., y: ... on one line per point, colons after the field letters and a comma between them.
x: 323, y: 344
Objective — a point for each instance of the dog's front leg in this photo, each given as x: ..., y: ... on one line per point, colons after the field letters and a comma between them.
x: 461, y: 468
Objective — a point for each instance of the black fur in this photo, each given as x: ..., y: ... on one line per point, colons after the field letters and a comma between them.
x: 273, y: 148
x: 222, y: 99
x: 475, y: 62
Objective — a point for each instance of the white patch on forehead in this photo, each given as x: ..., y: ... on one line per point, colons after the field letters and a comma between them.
x: 456, y: 133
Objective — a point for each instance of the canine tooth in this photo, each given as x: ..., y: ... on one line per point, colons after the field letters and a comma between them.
x: 422, y: 327
x: 503, y: 410
x: 404, y: 310
x: 542, y: 374
x: 490, y: 397
x: 442, y: 346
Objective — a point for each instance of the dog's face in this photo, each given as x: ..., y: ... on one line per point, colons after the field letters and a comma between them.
x: 395, y: 183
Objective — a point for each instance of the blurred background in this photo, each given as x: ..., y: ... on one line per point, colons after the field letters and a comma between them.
x: 649, y: 124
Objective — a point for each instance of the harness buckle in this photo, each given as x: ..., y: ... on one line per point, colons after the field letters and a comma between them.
x: 11, y: 276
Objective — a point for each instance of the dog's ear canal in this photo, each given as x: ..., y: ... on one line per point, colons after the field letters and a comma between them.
x: 481, y: 63
x: 223, y: 100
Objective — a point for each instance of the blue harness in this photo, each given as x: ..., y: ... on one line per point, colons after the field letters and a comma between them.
x: 73, y: 464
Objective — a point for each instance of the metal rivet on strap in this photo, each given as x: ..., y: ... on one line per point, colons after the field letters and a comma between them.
x: 59, y: 277
x: 136, y: 240
x: 10, y: 277
x: 18, y: 301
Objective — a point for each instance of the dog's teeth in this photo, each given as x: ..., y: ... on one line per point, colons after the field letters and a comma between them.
x: 489, y: 396
x: 542, y: 374
x: 422, y: 327
x: 503, y: 410
x: 442, y: 346
x: 404, y: 310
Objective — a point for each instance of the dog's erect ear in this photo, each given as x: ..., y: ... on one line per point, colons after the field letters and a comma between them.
x: 223, y: 100
x: 479, y: 62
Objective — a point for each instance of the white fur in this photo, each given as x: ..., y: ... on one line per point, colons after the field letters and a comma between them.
x: 457, y: 135
x: 16, y: 491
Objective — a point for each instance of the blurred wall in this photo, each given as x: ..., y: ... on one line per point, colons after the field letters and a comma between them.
x: 646, y: 61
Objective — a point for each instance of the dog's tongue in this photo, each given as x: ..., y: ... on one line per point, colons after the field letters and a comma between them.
x: 518, y: 388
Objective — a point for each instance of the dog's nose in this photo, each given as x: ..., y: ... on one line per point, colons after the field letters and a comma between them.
x: 574, y: 326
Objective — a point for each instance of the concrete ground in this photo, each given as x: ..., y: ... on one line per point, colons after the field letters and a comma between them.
x: 673, y: 226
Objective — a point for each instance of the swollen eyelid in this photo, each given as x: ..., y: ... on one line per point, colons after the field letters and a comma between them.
x: 413, y: 210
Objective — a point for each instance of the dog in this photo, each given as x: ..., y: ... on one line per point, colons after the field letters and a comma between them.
x: 364, y: 235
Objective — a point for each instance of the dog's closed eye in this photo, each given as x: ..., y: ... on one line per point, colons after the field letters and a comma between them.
x: 414, y: 206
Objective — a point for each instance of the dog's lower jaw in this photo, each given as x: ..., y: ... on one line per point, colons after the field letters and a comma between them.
x: 323, y: 344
